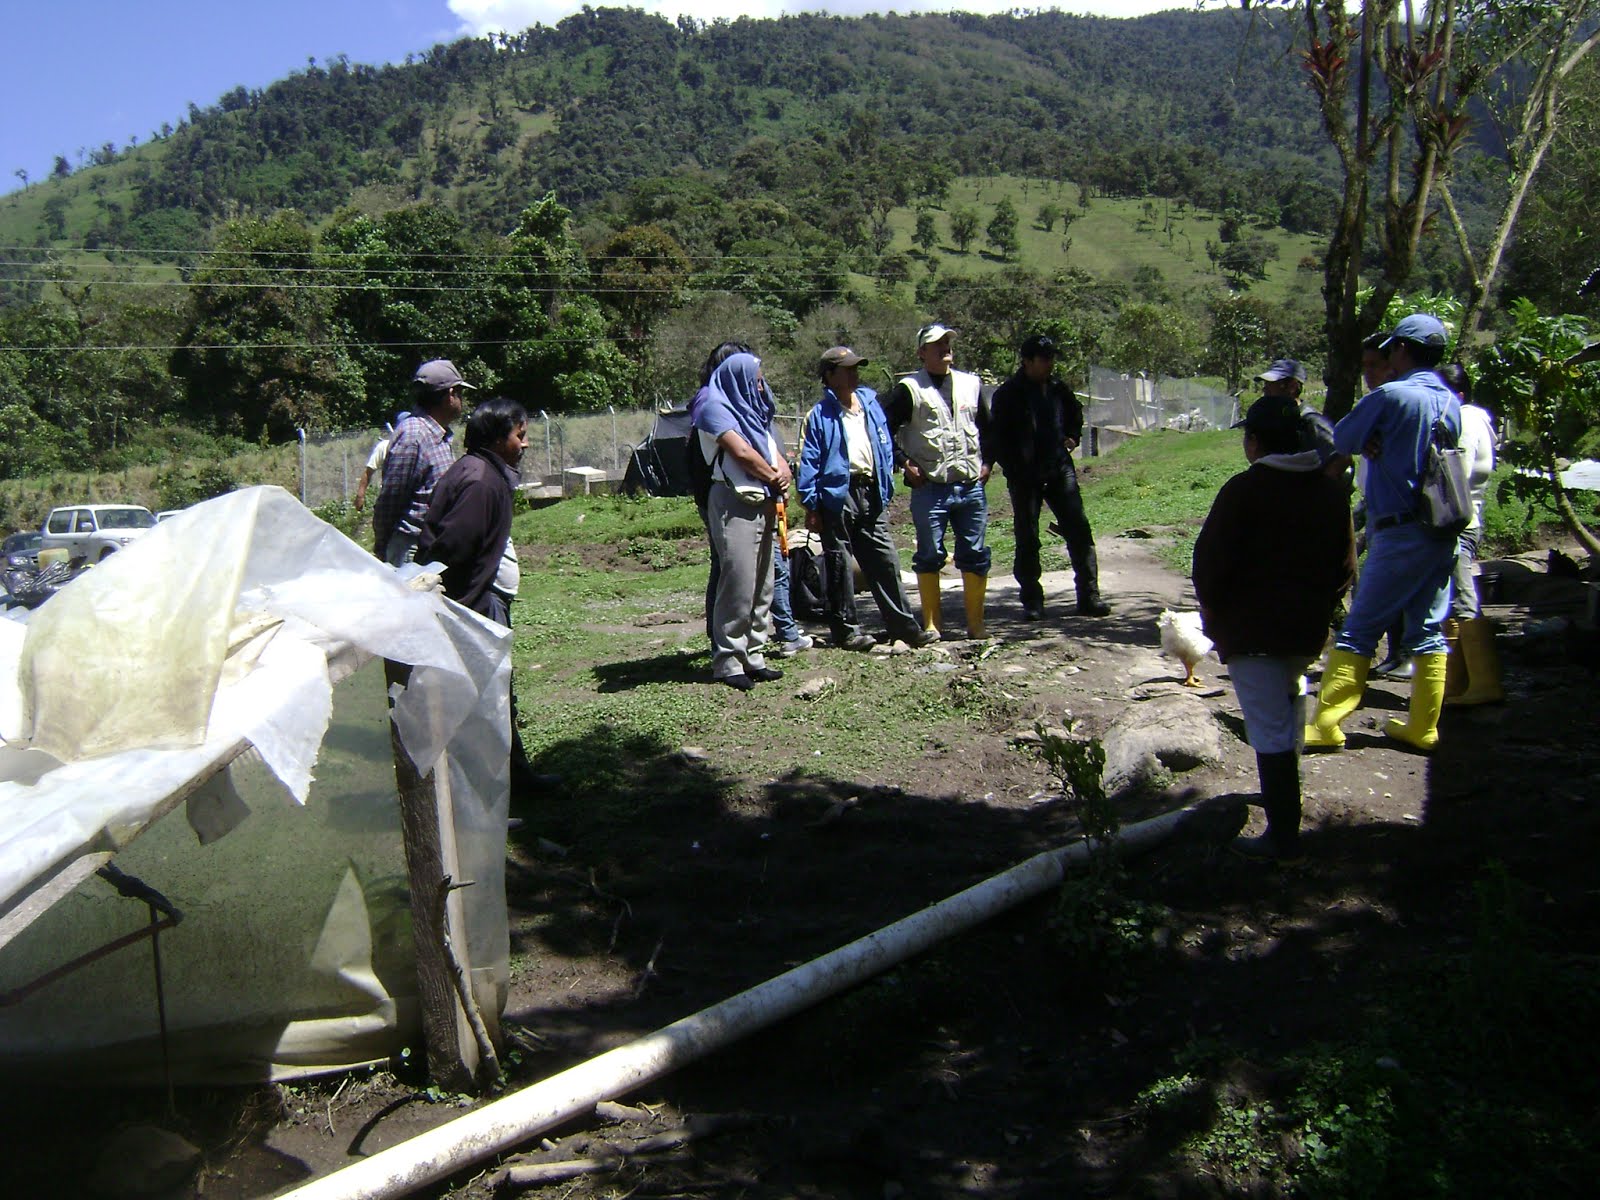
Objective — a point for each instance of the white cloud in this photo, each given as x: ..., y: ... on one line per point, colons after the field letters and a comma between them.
x: 484, y: 16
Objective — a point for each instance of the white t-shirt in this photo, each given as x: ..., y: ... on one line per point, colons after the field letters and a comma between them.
x: 1477, y: 446
x: 375, y: 460
x: 857, y: 443
x: 508, y: 576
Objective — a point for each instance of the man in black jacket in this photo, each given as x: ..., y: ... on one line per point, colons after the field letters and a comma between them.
x: 1034, y: 425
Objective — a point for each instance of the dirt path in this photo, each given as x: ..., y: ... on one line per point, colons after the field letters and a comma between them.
x: 1004, y: 1063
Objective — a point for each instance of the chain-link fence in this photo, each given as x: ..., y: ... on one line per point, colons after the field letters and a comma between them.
x: 566, y: 452
x: 1134, y: 402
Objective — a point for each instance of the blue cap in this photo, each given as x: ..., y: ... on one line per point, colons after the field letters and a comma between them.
x: 1421, y: 329
x: 1284, y: 368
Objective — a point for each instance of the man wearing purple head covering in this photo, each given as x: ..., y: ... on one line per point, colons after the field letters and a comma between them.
x: 749, y: 474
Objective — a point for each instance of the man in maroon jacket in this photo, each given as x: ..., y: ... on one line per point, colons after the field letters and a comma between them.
x: 468, y: 523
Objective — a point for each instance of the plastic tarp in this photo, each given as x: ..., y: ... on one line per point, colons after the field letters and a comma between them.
x: 228, y: 667
x: 659, y: 466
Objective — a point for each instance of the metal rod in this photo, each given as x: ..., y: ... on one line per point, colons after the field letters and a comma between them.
x: 161, y: 1006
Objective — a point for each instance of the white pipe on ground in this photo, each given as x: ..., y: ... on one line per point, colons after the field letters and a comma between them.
x: 516, y: 1118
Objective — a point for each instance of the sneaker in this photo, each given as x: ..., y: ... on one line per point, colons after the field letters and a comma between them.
x: 1093, y: 607
x: 790, y: 649
x: 923, y: 637
x: 740, y: 683
x: 1033, y: 612
x: 858, y: 641
x: 764, y: 674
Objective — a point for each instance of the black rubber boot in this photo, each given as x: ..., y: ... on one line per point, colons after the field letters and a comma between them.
x: 1086, y: 581
x: 1280, y: 796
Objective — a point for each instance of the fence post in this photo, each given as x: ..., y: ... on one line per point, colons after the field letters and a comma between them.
x: 301, y: 433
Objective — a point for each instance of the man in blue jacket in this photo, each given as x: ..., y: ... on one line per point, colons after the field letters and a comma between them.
x: 846, y: 479
x: 1407, y: 574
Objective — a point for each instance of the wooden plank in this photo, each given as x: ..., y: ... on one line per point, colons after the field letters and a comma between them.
x: 44, y: 897
x: 452, y: 1050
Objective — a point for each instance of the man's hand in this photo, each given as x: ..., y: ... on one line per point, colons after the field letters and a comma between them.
x: 780, y: 476
x: 813, y: 521
x: 1071, y: 444
x: 1374, y: 448
x: 983, y: 473
x: 914, y: 475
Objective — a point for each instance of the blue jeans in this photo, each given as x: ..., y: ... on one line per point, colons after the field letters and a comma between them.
x: 965, y: 509
x: 1407, y: 575
x: 783, y: 623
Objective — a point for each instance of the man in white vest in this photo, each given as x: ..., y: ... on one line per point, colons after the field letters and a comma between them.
x: 933, y: 414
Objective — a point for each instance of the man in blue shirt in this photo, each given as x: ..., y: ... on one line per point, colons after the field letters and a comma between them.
x: 846, y: 479
x: 1407, y: 572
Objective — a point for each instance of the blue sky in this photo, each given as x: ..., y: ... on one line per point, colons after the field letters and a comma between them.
x: 86, y: 72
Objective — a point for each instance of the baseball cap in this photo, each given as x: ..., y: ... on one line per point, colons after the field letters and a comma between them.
x: 1271, y: 414
x: 1419, y: 328
x: 936, y: 332
x: 440, y: 374
x: 1284, y: 368
x: 1040, y: 345
x: 841, y: 356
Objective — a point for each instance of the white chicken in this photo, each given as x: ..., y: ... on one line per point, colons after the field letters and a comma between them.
x: 1183, y: 638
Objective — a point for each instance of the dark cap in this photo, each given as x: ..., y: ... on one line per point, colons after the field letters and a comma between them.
x: 440, y: 374
x: 841, y: 356
x: 1040, y: 345
x: 936, y: 332
x: 1271, y: 414
x: 1420, y: 329
x: 1284, y: 368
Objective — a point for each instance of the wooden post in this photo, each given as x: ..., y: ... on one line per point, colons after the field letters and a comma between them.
x: 427, y: 825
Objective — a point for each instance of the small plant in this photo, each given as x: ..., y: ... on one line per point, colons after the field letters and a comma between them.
x: 1094, y: 921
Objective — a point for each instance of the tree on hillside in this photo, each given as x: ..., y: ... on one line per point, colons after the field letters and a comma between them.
x: 263, y: 353
x: 1394, y: 85
x: 926, y: 237
x: 1245, y: 260
x: 963, y: 228
x: 1049, y: 214
x: 1002, y: 230
x: 1238, y: 337
x: 1551, y: 40
x: 552, y: 332
x: 1155, y: 340
x: 640, y: 272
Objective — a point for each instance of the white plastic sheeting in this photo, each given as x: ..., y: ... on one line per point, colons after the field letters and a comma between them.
x: 242, y: 624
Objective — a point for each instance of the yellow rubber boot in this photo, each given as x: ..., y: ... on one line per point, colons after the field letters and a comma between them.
x: 1455, y: 666
x: 928, y: 590
x: 973, y: 587
x: 1421, y: 726
x: 1483, y: 665
x: 1342, y: 684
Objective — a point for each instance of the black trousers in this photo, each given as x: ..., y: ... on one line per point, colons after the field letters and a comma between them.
x: 861, y: 528
x: 1060, y: 492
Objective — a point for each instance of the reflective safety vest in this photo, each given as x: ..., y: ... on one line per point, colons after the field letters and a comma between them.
x: 940, y: 437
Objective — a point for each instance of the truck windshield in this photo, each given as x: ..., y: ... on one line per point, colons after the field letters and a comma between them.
x: 125, y: 518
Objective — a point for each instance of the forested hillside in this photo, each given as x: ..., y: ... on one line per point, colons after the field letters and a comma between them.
x: 574, y: 212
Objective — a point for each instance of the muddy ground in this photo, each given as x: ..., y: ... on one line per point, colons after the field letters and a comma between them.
x: 1002, y: 1064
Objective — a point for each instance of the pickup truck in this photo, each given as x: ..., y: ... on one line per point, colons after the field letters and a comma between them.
x: 92, y: 531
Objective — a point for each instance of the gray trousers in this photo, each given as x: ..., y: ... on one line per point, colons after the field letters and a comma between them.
x: 1464, y: 600
x: 742, y: 536
x: 861, y: 528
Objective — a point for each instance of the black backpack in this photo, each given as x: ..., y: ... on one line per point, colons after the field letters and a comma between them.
x: 700, y: 471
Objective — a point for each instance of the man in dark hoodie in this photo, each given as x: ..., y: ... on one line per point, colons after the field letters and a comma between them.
x: 1276, y: 552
